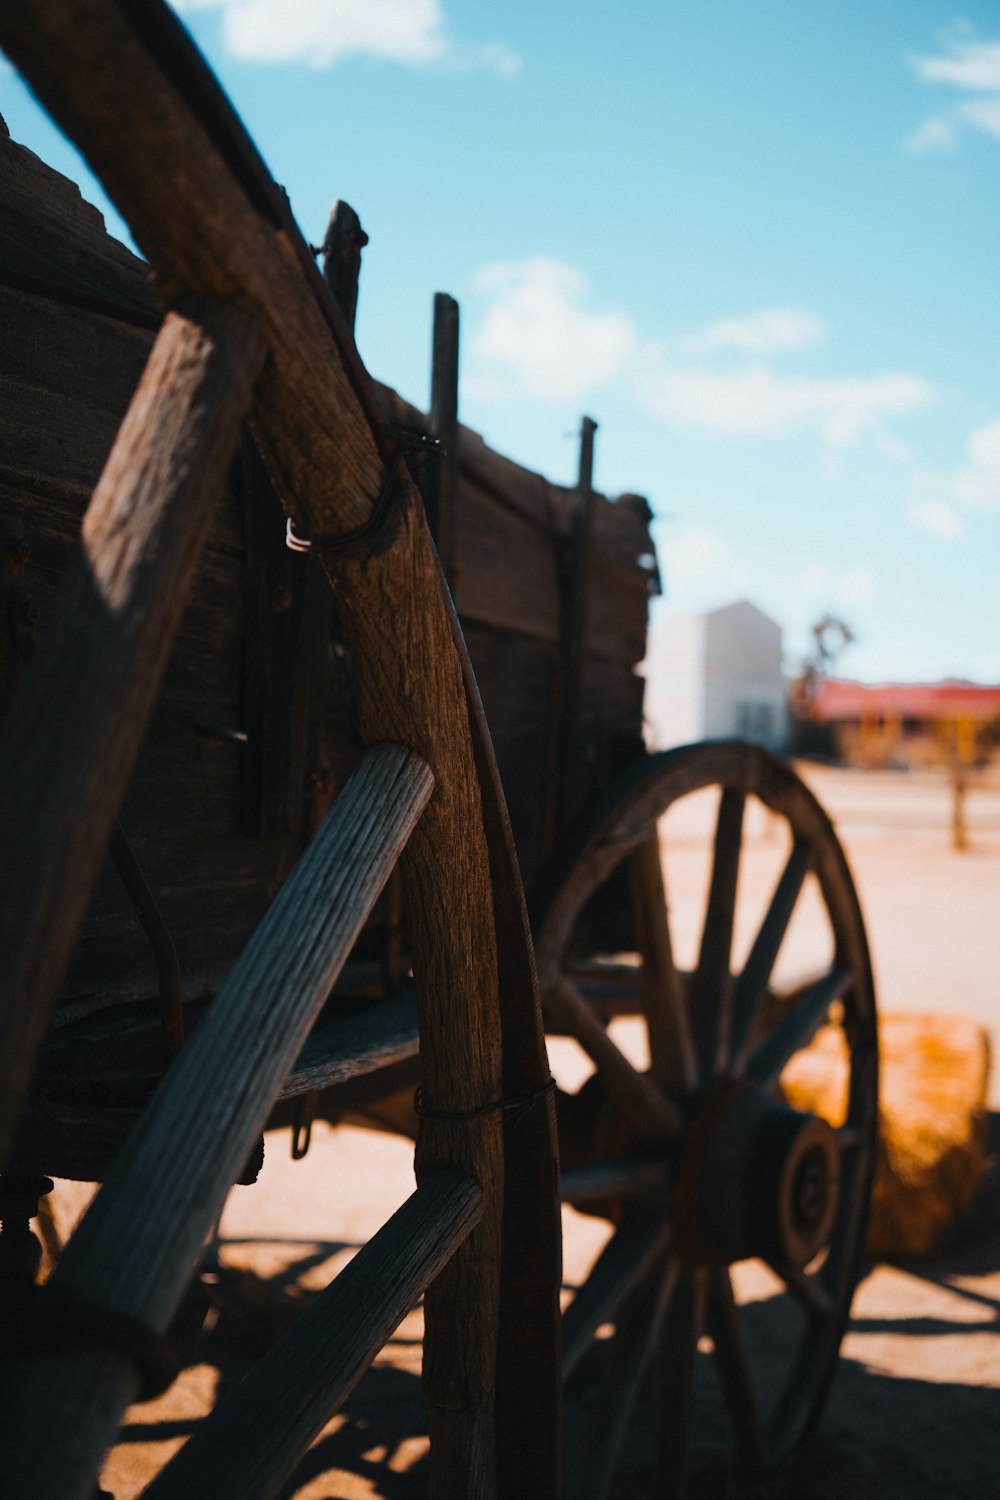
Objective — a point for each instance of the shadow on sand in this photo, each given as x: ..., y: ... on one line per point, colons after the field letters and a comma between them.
x: 885, y: 1434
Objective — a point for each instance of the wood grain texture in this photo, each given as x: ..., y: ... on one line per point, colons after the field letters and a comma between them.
x: 529, y: 1383
x: 139, y: 1242
x: 398, y: 623
x: 74, y: 729
x: 248, y: 1445
x: 209, y: 237
x: 440, y: 487
x: 219, y: 228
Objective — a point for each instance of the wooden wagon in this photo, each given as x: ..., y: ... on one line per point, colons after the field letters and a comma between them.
x: 258, y: 865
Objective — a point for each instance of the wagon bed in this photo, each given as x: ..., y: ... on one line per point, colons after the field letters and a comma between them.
x: 303, y: 745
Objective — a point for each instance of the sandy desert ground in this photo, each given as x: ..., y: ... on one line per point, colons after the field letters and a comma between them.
x: 913, y: 1409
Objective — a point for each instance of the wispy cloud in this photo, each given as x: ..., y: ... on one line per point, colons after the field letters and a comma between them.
x: 539, y: 337
x: 757, y: 401
x: 934, y: 134
x: 773, y: 330
x: 966, y: 62
x: 967, y: 65
x: 324, y: 32
x: 976, y: 485
x: 939, y: 502
x: 936, y: 519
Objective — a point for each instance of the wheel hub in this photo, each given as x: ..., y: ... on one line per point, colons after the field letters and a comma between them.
x: 756, y: 1179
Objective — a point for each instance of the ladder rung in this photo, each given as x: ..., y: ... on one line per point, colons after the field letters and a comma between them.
x: 381, y: 1034
x: 138, y: 1243
x: 252, y: 1440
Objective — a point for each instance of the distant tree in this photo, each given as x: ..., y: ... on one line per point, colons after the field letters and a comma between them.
x: 831, y: 636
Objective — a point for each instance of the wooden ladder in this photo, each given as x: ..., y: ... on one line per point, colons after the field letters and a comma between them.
x: 252, y: 332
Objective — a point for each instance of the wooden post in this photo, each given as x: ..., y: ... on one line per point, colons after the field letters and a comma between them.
x: 959, y: 826
x: 342, y: 246
x: 568, y: 750
x: 75, y: 726
x: 440, y: 487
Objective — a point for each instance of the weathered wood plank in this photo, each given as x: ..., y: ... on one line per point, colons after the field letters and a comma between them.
x: 440, y: 486
x: 75, y: 726
x: 217, y: 237
x: 529, y: 1384
x: 247, y: 1447
x: 505, y: 567
x: 398, y: 625
x: 53, y: 240
x: 138, y: 1244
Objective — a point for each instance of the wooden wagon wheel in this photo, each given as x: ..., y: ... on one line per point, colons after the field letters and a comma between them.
x: 706, y: 1173
x: 251, y: 331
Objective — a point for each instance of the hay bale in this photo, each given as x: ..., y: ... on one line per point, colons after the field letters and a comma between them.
x: 932, y: 1118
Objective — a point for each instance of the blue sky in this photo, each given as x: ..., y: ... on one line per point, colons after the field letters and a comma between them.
x: 757, y: 242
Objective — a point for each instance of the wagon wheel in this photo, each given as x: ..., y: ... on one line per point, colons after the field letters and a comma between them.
x: 719, y: 1192
x: 250, y: 330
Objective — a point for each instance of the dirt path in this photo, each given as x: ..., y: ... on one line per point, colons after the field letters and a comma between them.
x: 913, y: 1409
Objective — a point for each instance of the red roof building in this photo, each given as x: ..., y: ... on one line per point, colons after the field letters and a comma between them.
x: 905, y: 723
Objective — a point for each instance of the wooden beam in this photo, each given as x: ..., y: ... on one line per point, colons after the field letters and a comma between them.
x: 440, y: 487
x: 75, y: 727
x: 141, y: 1239
x: 246, y: 1448
x: 342, y: 246
x: 567, y: 751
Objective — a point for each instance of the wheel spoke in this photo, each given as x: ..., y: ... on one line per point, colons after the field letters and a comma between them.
x: 671, y: 1049
x: 635, y: 1094
x: 628, y: 1359
x: 807, y: 1290
x: 749, y: 988
x: 850, y: 1138
x: 710, y: 989
x: 796, y: 1028
x: 734, y: 1372
x: 681, y: 1319
x: 616, y: 1178
x: 629, y: 1255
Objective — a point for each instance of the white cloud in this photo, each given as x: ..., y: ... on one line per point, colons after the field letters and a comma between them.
x: 935, y: 134
x: 323, y: 32
x: 983, y: 112
x: 538, y: 336
x: 773, y: 330
x: 756, y: 402
x: 976, y: 486
x: 966, y: 64
x: 936, y: 518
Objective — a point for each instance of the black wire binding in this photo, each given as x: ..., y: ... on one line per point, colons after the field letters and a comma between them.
x: 380, y: 510
x: 412, y: 443
x: 507, y: 1104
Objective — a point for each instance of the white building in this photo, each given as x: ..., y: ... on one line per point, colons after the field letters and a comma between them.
x: 716, y: 676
